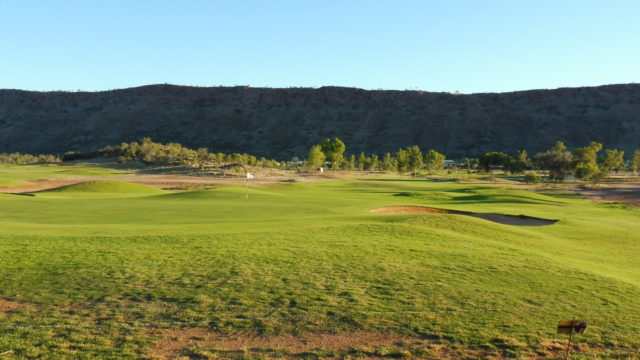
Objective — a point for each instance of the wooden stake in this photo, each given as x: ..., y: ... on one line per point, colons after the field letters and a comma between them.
x: 566, y: 354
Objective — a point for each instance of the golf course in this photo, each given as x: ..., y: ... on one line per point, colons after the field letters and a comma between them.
x: 358, y: 266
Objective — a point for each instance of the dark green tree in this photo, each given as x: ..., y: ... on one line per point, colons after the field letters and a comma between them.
x: 557, y: 161
x: 519, y: 163
x: 493, y: 160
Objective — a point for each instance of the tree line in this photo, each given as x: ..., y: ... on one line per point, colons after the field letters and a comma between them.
x: 590, y: 163
x: 410, y: 159
x: 153, y: 153
x: 585, y: 163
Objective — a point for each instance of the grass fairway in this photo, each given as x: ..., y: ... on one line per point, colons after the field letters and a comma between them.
x: 99, y: 270
x: 17, y: 174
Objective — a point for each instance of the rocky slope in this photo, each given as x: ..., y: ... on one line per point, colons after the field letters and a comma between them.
x: 282, y: 123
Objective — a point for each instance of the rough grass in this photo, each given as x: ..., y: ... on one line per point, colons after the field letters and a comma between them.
x: 100, y: 271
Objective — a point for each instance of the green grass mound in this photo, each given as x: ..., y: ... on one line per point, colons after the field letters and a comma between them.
x: 107, y: 186
x: 218, y: 193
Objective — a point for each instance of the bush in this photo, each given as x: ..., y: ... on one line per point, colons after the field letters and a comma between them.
x: 532, y: 178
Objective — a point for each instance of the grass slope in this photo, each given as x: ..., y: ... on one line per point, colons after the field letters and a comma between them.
x: 11, y: 174
x: 106, y: 186
x: 98, y: 271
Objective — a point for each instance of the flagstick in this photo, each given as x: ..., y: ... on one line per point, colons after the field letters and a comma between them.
x: 247, y: 189
x: 566, y: 354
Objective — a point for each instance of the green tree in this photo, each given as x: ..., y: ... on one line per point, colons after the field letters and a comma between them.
x: 373, y: 163
x: 414, y: 159
x: 470, y: 163
x: 493, y: 160
x: 434, y: 161
x: 402, y: 158
x: 635, y: 162
x: 350, y: 164
x: 362, y: 161
x: 315, y: 157
x: 387, y: 163
x: 519, y: 163
x: 557, y: 161
x: 334, y: 151
x: 585, y: 162
x: 613, y: 160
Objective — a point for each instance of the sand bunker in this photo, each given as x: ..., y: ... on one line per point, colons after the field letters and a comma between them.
x: 518, y: 220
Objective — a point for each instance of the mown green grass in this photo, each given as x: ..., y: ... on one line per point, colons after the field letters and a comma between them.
x: 107, y: 187
x: 17, y: 174
x: 310, y: 257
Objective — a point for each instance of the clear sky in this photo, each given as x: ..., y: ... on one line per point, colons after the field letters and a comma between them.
x: 447, y: 45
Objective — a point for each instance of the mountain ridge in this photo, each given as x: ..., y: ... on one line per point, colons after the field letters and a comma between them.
x: 285, y: 122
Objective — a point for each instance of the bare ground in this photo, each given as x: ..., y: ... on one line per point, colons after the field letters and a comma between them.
x: 625, y: 193
x: 171, y: 341
x: 204, y: 344
x: 8, y: 305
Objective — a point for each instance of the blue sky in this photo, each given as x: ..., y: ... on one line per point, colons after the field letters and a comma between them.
x: 449, y: 45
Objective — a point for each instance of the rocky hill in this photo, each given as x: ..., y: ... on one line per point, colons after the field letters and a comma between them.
x: 282, y: 123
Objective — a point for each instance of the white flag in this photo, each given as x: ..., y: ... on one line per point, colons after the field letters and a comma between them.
x: 249, y: 176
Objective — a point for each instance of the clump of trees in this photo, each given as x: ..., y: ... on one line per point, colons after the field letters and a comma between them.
x: 516, y: 164
x: 586, y: 163
x: 331, y: 152
x: 557, y: 161
x: 334, y: 152
x: 18, y: 158
x: 153, y: 153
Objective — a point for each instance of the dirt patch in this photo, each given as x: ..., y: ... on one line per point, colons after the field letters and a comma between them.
x: 517, y: 220
x: 202, y: 343
x: 8, y: 305
x: 176, y: 339
x: 623, y: 193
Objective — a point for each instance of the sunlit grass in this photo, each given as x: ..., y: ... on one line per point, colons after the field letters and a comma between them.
x: 311, y: 257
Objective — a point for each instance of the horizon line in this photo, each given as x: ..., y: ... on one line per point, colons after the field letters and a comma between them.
x: 316, y: 88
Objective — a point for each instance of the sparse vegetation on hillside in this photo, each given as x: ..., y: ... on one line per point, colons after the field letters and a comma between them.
x: 282, y: 123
